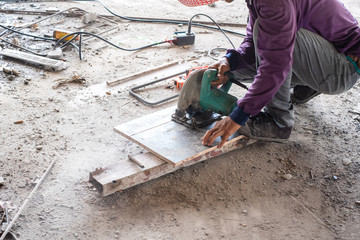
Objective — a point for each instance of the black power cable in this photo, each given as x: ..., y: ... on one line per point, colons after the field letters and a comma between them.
x: 26, y: 34
x: 103, y: 39
x: 201, y: 14
x: 34, y: 36
x: 76, y: 34
x: 167, y: 21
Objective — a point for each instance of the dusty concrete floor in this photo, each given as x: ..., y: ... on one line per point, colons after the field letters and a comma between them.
x: 240, y: 195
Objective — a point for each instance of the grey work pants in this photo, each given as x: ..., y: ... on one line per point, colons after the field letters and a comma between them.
x: 316, y: 64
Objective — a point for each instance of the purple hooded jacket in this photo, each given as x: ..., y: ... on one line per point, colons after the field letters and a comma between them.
x: 279, y: 21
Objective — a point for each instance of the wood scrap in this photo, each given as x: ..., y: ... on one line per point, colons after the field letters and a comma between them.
x: 74, y: 79
x: 47, y: 63
x: 115, y: 82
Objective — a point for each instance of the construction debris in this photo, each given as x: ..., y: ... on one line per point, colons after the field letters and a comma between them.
x: 10, y: 71
x: 48, y: 64
x: 287, y: 176
x: 38, y: 147
x: 55, y: 54
x: 89, y: 17
x: 346, y: 161
x: 75, y: 79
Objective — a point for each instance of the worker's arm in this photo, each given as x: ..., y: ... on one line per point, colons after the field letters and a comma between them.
x: 277, y: 28
x: 236, y: 58
x: 244, y: 55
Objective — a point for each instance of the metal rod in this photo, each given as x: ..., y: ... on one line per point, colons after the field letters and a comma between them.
x: 111, y: 83
x: 142, y: 100
x: 90, y: 37
x: 47, y: 12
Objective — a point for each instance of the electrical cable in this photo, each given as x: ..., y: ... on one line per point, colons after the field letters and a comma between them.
x: 190, y: 23
x: 27, y: 50
x: 80, y: 41
x: 165, y: 21
x: 30, y: 35
x: 214, y: 49
x: 26, y: 34
x: 43, y: 19
x: 103, y: 39
x: 76, y: 34
x: 201, y: 14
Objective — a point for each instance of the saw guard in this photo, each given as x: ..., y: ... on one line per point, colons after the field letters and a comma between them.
x: 190, y: 92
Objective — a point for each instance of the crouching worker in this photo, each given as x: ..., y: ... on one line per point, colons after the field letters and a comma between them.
x: 293, y: 51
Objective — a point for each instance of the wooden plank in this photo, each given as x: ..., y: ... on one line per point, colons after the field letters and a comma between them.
x: 171, y: 142
x: 165, y: 140
x: 145, y: 122
x: 126, y: 174
x: 47, y: 63
x: 168, y: 140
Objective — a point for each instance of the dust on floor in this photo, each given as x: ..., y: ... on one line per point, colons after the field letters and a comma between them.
x: 240, y: 195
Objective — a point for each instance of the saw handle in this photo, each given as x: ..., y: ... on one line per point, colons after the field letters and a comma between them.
x: 216, y: 99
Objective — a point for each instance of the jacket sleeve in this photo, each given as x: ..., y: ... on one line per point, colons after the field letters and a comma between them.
x: 275, y: 43
x: 245, y: 54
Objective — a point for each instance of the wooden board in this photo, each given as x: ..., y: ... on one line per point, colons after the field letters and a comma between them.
x: 47, y: 63
x: 126, y: 174
x: 166, y: 139
x: 171, y: 146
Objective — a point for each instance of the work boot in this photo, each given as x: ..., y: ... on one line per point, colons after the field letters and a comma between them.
x: 302, y: 94
x: 263, y: 127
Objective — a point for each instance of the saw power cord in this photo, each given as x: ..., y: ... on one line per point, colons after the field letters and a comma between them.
x: 201, y: 14
x: 211, y: 51
x: 180, y: 39
x: 188, y: 33
x: 166, y: 21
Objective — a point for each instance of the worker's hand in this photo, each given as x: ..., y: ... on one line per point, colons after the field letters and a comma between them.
x: 355, y: 59
x: 222, y: 66
x: 223, y: 128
